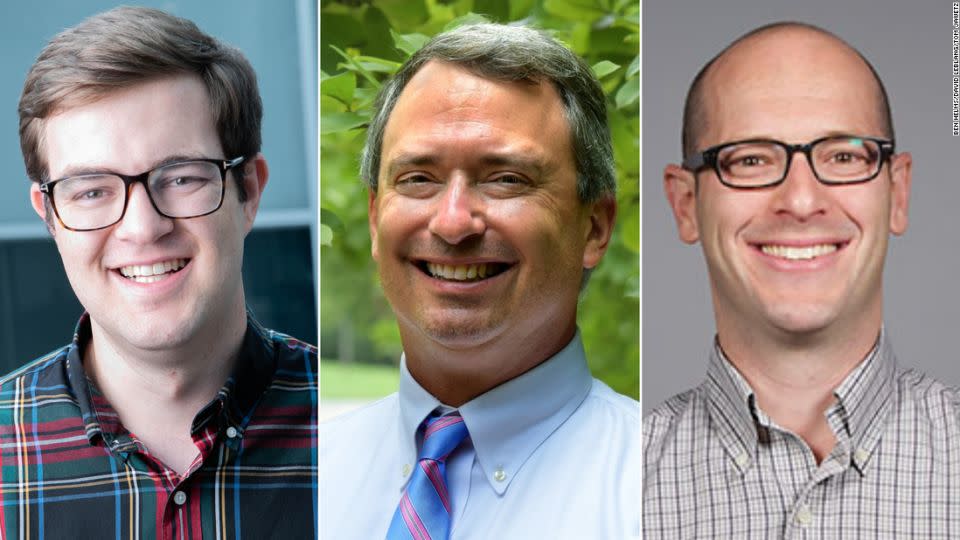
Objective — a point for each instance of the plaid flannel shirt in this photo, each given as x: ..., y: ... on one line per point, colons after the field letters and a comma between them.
x: 69, y: 469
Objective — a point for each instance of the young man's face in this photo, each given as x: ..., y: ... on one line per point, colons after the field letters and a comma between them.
x: 800, y: 257
x: 129, y: 132
x: 476, y: 225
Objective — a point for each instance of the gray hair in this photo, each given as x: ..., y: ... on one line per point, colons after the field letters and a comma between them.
x: 513, y: 53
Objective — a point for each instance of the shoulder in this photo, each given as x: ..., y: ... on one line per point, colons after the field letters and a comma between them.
x: 369, y: 420
x: 665, y: 417
x: 928, y: 397
x: 604, y: 400
x: 605, y: 415
x: 49, y: 366
x: 295, y: 358
x: 35, y: 385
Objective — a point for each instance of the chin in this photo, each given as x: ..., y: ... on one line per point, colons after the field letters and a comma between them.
x: 459, y: 334
x: 802, y: 320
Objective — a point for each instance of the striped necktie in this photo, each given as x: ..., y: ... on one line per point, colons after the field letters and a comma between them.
x: 424, y: 509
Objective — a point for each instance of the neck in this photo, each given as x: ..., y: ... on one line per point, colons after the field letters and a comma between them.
x: 456, y: 375
x: 794, y: 378
x: 157, y: 393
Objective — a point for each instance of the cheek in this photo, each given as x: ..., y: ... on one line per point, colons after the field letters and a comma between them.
x: 78, y: 249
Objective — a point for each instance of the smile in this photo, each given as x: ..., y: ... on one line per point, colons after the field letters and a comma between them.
x: 151, y: 273
x: 463, y: 272
x: 799, y: 253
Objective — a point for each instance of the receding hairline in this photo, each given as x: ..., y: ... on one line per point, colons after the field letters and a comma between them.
x: 695, y: 113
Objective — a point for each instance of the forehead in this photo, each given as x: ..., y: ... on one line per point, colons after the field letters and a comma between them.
x: 793, y: 85
x: 131, y: 129
x: 445, y: 107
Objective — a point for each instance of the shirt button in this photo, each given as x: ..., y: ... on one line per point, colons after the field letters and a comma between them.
x: 804, y: 516
x: 179, y: 498
x: 406, y: 470
x: 741, y: 459
x: 499, y: 475
x: 231, y: 432
x: 861, y: 454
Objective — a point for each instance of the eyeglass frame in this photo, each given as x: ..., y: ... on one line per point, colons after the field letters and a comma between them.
x: 708, y: 158
x: 224, y: 166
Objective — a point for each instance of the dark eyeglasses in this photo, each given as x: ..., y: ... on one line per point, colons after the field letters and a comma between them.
x: 180, y: 190
x: 760, y: 163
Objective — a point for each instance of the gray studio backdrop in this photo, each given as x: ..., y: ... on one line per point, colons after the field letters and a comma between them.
x: 38, y: 310
x: 909, y: 43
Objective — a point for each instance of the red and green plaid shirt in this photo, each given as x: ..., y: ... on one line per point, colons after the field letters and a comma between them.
x: 69, y: 469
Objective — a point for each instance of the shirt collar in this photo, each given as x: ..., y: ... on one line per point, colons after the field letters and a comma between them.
x: 506, y: 424
x: 864, y: 399
x: 236, y: 399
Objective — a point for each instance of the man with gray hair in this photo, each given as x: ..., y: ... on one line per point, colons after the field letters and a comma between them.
x: 490, y: 172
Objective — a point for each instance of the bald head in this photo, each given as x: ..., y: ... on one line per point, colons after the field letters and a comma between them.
x: 771, y: 62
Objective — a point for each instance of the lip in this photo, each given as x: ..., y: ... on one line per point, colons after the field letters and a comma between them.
x: 816, y: 263
x: 450, y: 287
x: 158, y: 288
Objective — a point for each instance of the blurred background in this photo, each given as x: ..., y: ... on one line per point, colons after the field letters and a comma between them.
x: 361, y: 44
x: 38, y: 310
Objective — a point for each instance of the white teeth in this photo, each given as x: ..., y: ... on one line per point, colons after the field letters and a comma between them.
x: 796, y: 253
x: 461, y: 272
x: 150, y: 273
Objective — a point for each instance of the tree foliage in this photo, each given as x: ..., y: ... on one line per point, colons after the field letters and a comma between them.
x: 362, y: 44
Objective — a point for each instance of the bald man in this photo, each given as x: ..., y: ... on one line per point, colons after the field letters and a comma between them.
x: 805, y: 427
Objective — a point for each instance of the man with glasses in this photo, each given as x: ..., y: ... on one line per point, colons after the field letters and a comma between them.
x: 805, y: 425
x: 173, y: 413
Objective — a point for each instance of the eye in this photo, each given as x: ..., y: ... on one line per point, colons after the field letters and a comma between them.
x: 510, y: 179
x: 416, y: 185
x: 749, y: 161
x: 416, y: 178
x: 845, y: 157
x: 184, y: 181
x: 90, y: 195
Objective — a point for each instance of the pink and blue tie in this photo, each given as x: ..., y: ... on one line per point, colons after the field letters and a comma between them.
x: 424, y: 509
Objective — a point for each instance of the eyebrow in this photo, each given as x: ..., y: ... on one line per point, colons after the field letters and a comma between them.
x: 532, y: 164
x: 86, y: 169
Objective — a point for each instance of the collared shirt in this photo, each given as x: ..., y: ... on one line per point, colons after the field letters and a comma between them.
x: 552, y: 454
x: 716, y: 466
x: 69, y: 469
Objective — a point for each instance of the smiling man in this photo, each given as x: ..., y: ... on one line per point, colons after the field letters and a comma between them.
x: 805, y: 426
x: 491, y: 197
x: 173, y: 413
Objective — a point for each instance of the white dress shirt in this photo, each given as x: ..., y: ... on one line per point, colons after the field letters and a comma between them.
x: 552, y: 454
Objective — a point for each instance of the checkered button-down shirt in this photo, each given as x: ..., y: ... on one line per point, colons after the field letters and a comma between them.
x: 715, y: 466
x: 69, y: 469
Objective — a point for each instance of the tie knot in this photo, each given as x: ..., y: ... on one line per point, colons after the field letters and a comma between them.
x: 441, y: 435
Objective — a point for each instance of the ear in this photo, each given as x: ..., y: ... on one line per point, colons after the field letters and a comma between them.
x: 372, y: 221
x: 255, y: 174
x: 680, y: 187
x: 901, y: 166
x: 39, y: 203
x: 603, y: 215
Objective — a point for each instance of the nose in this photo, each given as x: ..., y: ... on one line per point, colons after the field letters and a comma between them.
x: 801, y: 195
x: 141, y: 223
x: 459, y: 213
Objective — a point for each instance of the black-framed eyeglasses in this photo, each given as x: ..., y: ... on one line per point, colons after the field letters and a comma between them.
x: 180, y: 190
x: 760, y: 163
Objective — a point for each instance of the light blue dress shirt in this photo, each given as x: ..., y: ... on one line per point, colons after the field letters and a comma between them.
x: 552, y: 454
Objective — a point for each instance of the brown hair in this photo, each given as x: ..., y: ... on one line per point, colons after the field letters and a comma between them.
x: 130, y: 45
